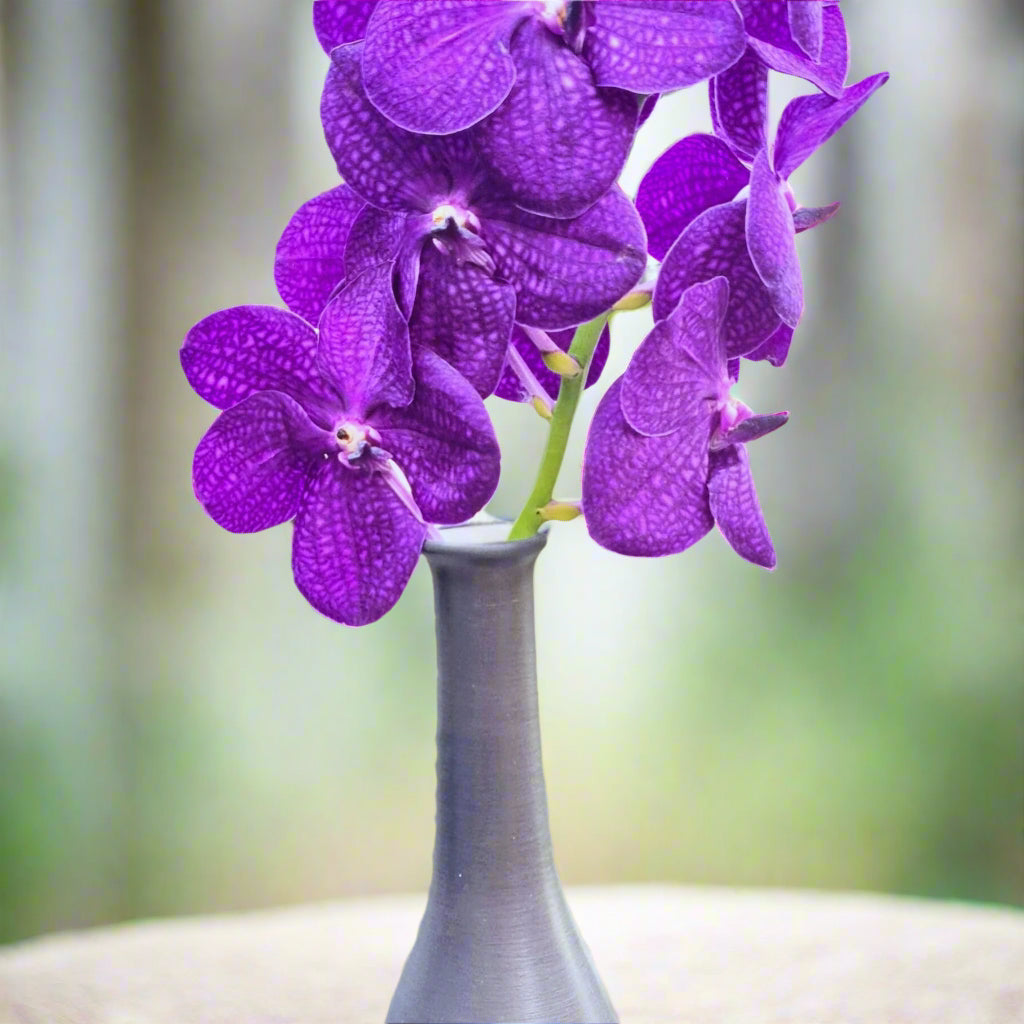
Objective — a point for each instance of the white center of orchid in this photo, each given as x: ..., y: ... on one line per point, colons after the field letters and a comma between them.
x: 552, y: 12
x: 447, y: 213
x: 353, y: 440
x: 444, y: 213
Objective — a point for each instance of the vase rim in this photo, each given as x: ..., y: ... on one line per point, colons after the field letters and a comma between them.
x: 483, y: 538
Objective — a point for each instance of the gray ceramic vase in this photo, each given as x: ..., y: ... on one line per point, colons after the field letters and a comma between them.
x: 497, y: 942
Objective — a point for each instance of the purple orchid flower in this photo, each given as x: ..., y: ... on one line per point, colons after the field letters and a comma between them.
x: 665, y: 457
x: 684, y: 201
x: 739, y: 95
x: 345, y: 431
x: 525, y: 376
x: 468, y: 261
x: 805, y: 38
x: 553, y: 85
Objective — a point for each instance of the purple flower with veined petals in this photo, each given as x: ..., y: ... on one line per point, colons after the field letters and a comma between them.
x: 468, y: 261
x: 806, y: 38
x: 665, y: 457
x: 479, y: 223
x: 525, y: 376
x: 552, y: 85
x: 751, y: 241
x: 343, y: 431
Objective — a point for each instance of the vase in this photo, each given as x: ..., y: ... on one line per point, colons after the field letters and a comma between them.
x: 497, y: 942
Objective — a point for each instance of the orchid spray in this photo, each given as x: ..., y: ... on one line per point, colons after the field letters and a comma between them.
x: 478, y: 244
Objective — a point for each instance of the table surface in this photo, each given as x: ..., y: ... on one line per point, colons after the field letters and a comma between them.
x: 668, y: 955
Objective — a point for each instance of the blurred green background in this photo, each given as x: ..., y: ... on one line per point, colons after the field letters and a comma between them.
x: 180, y: 732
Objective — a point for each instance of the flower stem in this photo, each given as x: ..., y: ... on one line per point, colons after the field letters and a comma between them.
x: 582, y: 348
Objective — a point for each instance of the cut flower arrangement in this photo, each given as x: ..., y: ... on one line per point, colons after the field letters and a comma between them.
x: 478, y: 244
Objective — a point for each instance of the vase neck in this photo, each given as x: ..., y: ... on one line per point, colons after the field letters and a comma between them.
x: 497, y: 941
x: 492, y: 814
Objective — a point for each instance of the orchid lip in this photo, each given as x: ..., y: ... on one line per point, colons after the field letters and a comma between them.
x: 455, y: 231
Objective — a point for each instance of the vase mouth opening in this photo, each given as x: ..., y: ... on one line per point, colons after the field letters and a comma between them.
x: 485, y: 536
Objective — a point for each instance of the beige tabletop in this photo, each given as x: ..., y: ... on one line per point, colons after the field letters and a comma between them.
x: 667, y: 954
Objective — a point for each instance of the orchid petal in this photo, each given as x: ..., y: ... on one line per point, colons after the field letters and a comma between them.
x: 340, y: 21
x: 251, y: 467
x: 739, y: 100
x: 658, y: 45
x: 310, y: 259
x: 386, y: 165
x: 364, y: 344
x: 775, y: 348
x: 644, y: 495
x: 236, y: 352
x: 716, y: 124
x: 768, y: 20
x: 439, y: 66
x: 828, y: 73
x: 679, y: 365
x: 463, y: 315
x: 736, y: 508
x: 355, y: 544
x: 378, y: 236
x: 443, y: 442
x: 696, y: 173
x: 558, y: 143
x: 566, y: 271
x: 646, y: 109
x: 771, y: 240
x: 407, y: 272
x: 510, y: 387
x: 805, y: 24
x: 809, y: 121
x: 715, y: 244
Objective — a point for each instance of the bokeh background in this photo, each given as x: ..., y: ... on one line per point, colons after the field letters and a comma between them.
x: 180, y: 732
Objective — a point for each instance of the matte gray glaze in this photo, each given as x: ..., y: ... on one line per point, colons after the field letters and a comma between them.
x: 497, y: 942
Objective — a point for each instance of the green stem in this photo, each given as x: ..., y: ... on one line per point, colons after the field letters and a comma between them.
x: 582, y: 348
